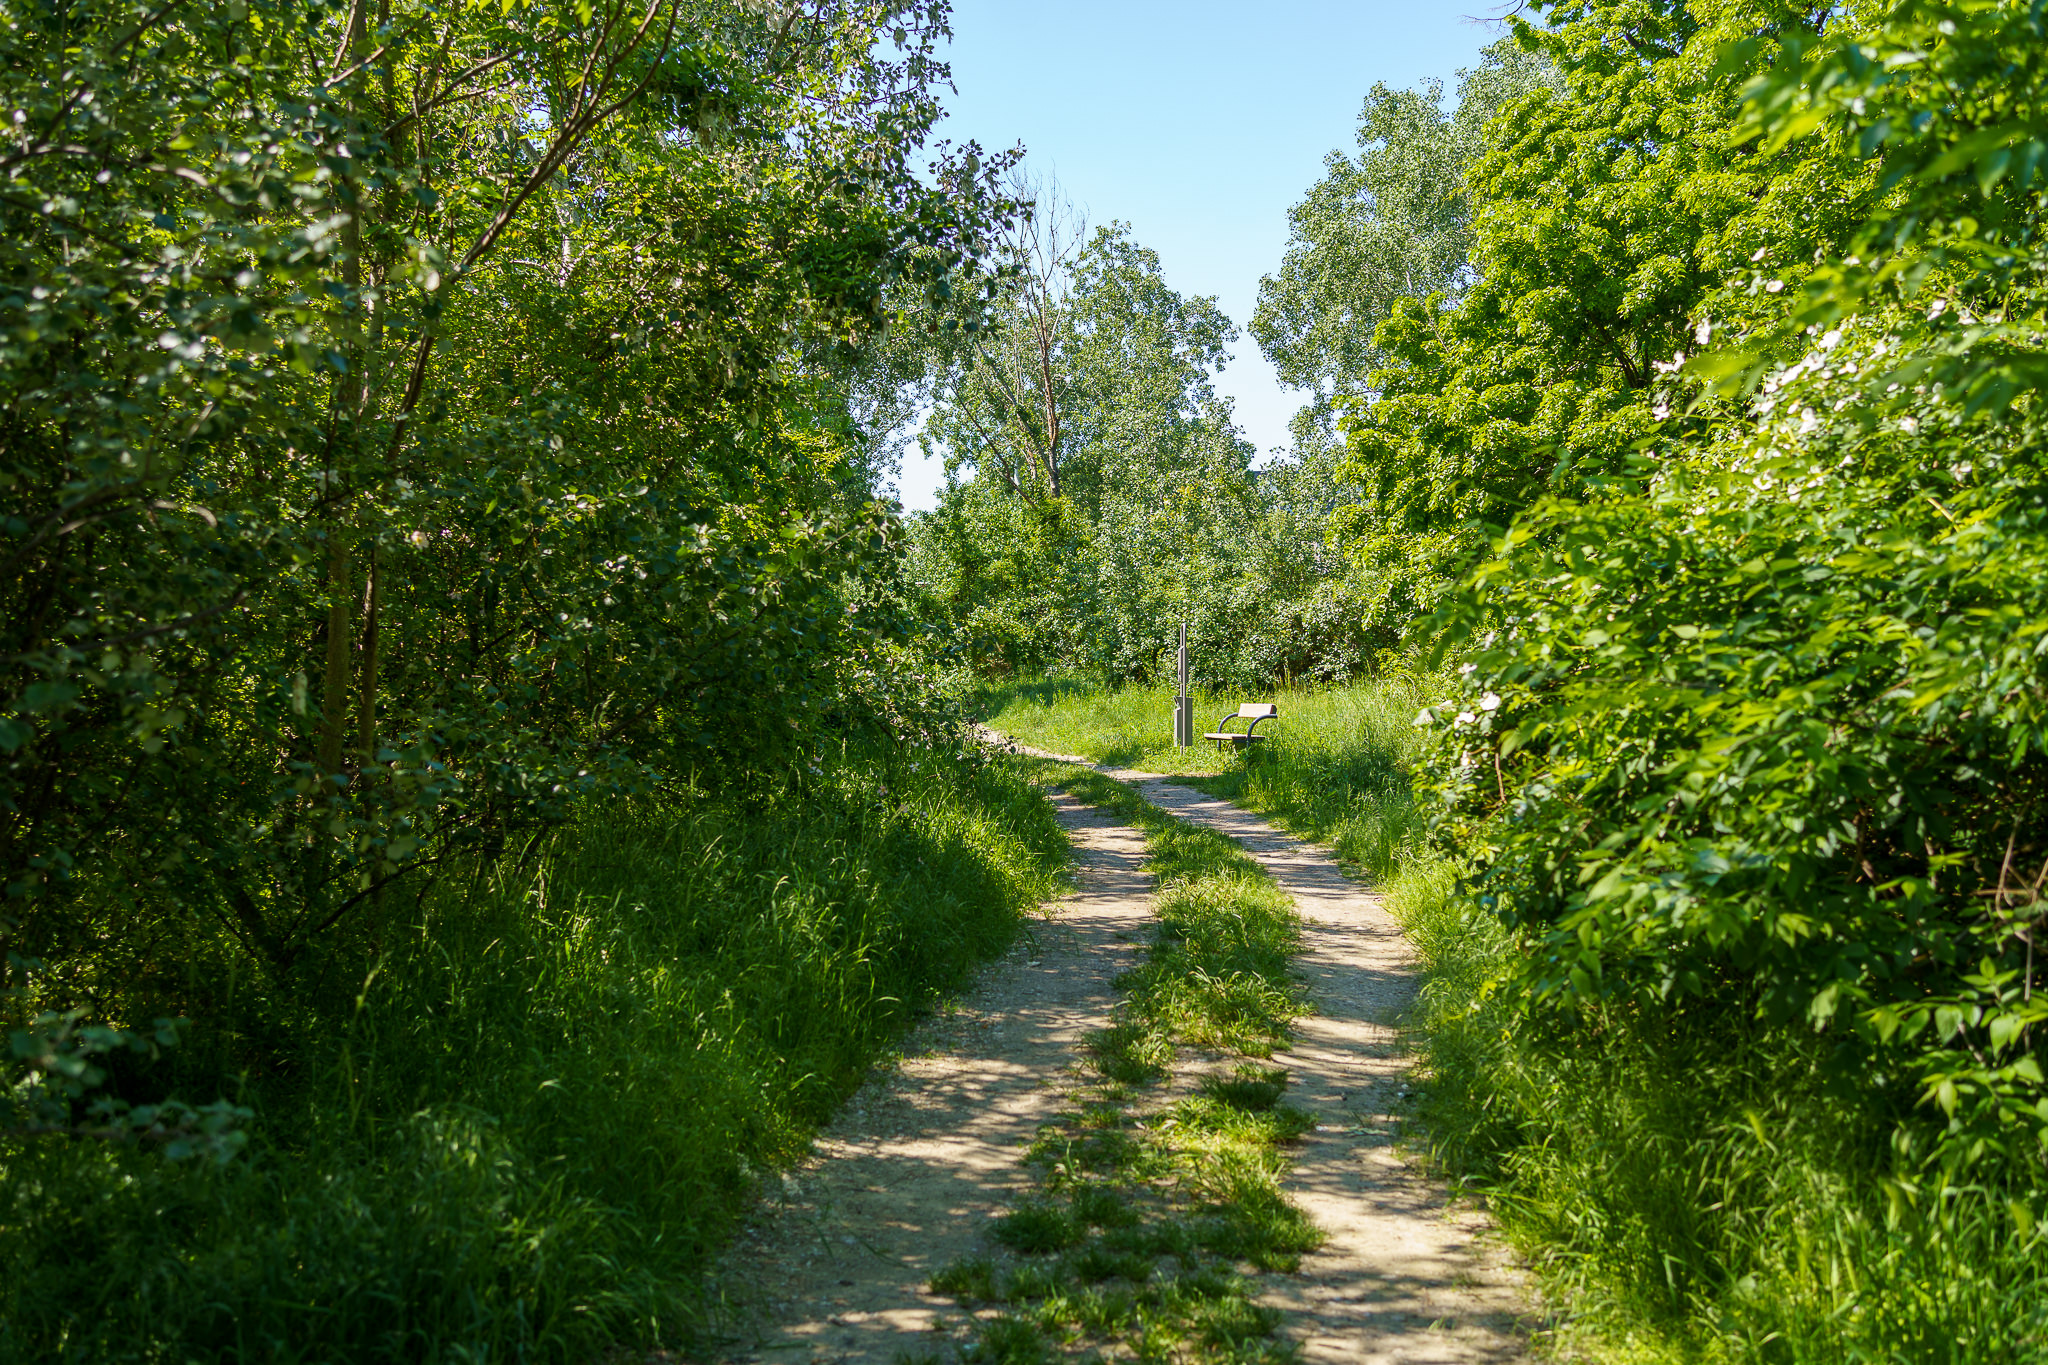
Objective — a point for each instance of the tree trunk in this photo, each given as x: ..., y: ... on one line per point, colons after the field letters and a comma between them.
x: 334, y: 688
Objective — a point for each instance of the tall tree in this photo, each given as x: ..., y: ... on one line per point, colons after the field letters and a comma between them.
x: 1392, y: 222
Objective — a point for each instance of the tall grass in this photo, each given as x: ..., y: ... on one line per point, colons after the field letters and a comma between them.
x: 1689, y: 1186
x: 532, y: 1120
x: 1130, y: 727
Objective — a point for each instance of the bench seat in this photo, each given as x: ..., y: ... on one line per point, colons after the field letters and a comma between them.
x: 1252, y: 712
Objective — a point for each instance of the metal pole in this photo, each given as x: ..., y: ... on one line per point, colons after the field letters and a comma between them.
x: 1183, y: 706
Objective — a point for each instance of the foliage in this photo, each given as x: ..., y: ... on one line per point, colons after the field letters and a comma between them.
x: 1762, y: 727
x: 1098, y: 360
x: 1393, y: 223
x: 709, y: 974
x: 56, y: 1069
x: 1610, y: 212
x: 421, y: 435
x: 1100, y: 494
x: 439, y: 455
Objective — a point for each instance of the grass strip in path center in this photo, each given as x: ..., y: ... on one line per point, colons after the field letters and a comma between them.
x: 1406, y: 1272
x: 1158, y: 1196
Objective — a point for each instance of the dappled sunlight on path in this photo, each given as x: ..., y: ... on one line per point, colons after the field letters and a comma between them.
x: 910, y: 1171
x: 1408, y: 1275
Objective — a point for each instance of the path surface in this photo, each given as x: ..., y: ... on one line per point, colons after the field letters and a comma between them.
x: 909, y: 1172
x: 1407, y: 1276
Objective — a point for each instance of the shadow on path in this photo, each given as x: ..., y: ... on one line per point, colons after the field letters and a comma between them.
x: 910, y: 1171
x: 1407, y: 1275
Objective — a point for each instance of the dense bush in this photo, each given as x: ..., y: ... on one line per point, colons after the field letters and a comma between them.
x: 1757, y: 727
x: 423, y: 436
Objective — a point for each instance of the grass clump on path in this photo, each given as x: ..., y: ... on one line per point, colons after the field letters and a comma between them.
x: 1151, y: 1214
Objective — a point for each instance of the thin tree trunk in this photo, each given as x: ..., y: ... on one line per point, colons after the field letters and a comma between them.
x: 1043, y: 327
x: 334, y: 688
x: 366, y: 714
x: 349, y: 403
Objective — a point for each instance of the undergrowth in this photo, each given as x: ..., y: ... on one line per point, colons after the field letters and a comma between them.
x: 1151, y: 1214
x: 524, y: 1131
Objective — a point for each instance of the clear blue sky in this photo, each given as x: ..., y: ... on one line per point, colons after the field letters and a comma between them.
x: 1199, y: 124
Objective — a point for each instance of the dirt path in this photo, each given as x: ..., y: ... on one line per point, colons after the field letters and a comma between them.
x: 908, y: 1174
x: 1406, y: 1275
x: 913, y: 1167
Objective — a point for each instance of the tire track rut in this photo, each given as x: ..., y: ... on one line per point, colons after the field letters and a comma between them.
x: 912, y: 1168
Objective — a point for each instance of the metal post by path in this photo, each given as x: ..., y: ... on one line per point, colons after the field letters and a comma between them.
x: 1183, y: 705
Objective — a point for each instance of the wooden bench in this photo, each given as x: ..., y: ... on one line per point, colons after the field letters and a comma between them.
x: 1252, y: 711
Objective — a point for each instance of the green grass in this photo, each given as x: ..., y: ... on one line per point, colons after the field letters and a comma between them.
x: 1150, y: 1218
x: 1334, y: 769
x: 1691, y: 1190
x: 1687, y: 1188
x: 534, y: 1118
x: 1128, y: 728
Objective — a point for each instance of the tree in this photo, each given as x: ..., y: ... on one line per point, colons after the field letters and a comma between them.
x: 1011, y: 397
x: 1099, y: 490
x: 414, y: 424
x: 1394, y: 222
x: 1611, y: 214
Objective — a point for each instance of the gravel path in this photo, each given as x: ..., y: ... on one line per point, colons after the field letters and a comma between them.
x: 1407, y: 1275
x: 912, y: 1168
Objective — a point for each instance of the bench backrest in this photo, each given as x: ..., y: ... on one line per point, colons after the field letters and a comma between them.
x: 1258, y: 710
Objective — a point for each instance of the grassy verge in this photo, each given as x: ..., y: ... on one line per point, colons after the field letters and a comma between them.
x: 1131, y: 727
x: 1688, y: 1189
x: 1334, y: 767
x: 1151, y: 1213
x: 529, y: 1124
